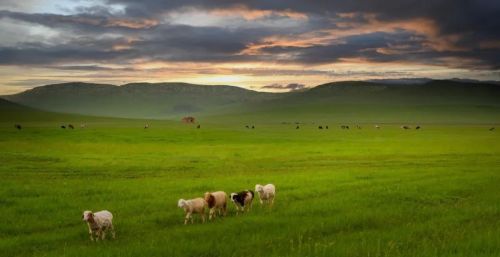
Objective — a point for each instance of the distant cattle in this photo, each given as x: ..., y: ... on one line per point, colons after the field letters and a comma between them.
x: 253, y: 126
x: 18, y: 126
x: 71, y: 126
x: 63, y: 127
x: 326, y: 127
x: 417, y: 127
x: 320, y: 127
x: 493, y: 128
x: 344, y: 127
x: 247, y: 127
x: 297, y: 127
x: 199, y: 126
x: 405, y: 127
x: 188, y: 120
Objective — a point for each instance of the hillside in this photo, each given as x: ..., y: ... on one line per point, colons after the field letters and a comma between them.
x: 138, y: 100
x: 350, y: 101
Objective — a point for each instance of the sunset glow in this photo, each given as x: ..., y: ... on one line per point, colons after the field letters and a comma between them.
x: 250, y: 44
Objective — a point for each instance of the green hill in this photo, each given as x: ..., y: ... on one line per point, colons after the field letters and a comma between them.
x: 350, y: 101
x: 138, y: 100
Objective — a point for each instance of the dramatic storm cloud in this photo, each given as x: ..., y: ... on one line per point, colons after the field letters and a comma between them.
x: 253, y: 43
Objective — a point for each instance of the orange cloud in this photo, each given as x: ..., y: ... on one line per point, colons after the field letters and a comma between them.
x: 132, y: 24
x: 253, y: 14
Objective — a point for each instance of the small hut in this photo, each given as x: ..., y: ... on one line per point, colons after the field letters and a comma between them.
x: 188, y: 120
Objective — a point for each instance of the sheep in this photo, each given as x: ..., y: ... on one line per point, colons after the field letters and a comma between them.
x: 71, y: 126
x: 253, y: 126
x: 99, y: 223
x: 405, y: 127
x: 417, y: 127
x: 216, y: 202
x: 196, y: 205
x: 377, y: 126
x: 492, y: 128
x: 297, y: 127
x: 242, y: 200
x: 83, y: 125
x: 326, y: 127
x: 63, y: 127
x: 18, y: 126
x: 146, y: 126
x: 266, y: 193
x: 320, y: 127
x: 199, y: 126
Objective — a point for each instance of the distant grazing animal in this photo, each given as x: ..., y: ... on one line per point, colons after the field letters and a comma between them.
x: 247, y: 127
x: 83, y: 125
x: 320, y: 127
x: 71, y: 126
x: 188, y: 119
x: 297, y: 127
x: 417, y: 127
x: 197, y: 205
x: 344, y: 127
x: 326, y: 127
x: 405, y: 127
x: 63, y: 127
x: 18, y: 126
x: 493, y: 128
x: 99, y: 223
x: 146, y: 126
x: 253, y: 126
x: 199, y: 126
x: 266, y: 193
x: 242, y: 200
x: 377, y: 126
x: 217, y: 202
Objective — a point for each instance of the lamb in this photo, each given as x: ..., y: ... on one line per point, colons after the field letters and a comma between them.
x: 242, y: 200
x: 196, y: 205
x: 216, y: 202
x: 266, y: 193
x: 99, y: 223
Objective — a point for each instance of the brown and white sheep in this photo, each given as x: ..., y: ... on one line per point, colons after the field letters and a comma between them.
x: 99, y: 223
x: 266, y: 193
x: 196, y: 205
x: 216, y: 202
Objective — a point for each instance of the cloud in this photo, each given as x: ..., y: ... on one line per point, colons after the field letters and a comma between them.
x: 289, y: 87
x: 315, y: 37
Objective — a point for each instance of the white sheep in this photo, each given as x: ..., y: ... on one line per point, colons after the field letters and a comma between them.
x: 266, y: 193
x: 99, y: 223
x: 216, y: 202
x: 196, y: 205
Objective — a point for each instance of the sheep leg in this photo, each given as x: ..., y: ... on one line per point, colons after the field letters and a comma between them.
x: 186, y: 219
x: 103, y: 233
x: 211, y: 214
x: 91, y: 234
x: 202, y: 214
x: 97, y: 235
x: 112, y: 231
x: 224, y: 209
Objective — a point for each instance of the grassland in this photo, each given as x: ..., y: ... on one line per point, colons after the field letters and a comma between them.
x: 368, y: 192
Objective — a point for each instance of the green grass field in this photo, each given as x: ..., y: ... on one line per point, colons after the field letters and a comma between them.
x: 368, y: 192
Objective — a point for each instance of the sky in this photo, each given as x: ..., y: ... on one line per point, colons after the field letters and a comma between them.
x: 268, y: 45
